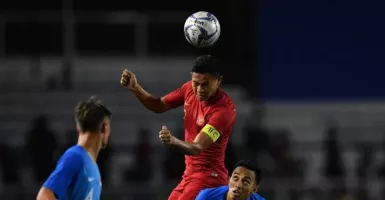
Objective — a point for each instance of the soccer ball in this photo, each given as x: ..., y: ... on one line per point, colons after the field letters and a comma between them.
x: 202, y: 29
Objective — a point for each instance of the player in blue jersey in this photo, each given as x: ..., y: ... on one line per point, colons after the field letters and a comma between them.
x: 77, y: 176
x: 243, y: 185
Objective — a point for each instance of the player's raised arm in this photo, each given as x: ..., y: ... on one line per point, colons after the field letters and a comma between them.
x: 58, y: 182
x: 210, y: 133
x: 151, y: 102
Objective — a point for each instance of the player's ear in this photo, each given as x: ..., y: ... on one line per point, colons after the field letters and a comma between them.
x: 103, y: 128
x: 220, y: 78
x: 256, y: 188
x: 78, y: 129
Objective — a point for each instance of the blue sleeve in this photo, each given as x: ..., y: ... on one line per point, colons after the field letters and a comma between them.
x: 203, y: 194
x: 66, y: 168
x: 257, y: 196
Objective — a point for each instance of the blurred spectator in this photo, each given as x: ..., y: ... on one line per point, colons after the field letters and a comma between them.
x: 381, y: 173
x: 66, y: 72
x: 141, y: 171
x: 52, y: 82
x: 286, y: 165
x: 257, y: 137
x: 334, y: 169
x: 315, y: 193
x: 11, y: 179
x: 9, y: 165
x: 41, y: 144
x: 364, y: 163
x: 231, y: 156
x: 35, y: 69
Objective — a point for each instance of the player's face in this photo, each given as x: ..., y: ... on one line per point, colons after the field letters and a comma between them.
x: 242, y: 183
x: 105, y: 133
x: 205, y: 85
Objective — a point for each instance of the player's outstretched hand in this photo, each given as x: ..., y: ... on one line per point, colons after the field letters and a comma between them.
x: 165, y: 136
x: 128, y: 79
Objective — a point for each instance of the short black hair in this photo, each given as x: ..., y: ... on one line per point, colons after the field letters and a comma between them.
x: 206, y: 64
x: 250, y: 166
x: 90, y: 113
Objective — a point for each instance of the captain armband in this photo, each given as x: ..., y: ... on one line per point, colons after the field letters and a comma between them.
x: 212, y: 132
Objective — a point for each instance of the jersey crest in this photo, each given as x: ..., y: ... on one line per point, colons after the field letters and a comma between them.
x: 200, y: 121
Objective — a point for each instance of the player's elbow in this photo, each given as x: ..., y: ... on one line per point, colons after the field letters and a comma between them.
x: 196, y: 150
x: 158, y: 111
x: 45, y: 194
x: 160, y: 107
x: 194, y: 153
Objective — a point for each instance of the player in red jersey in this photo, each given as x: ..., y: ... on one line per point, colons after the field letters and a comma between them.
x: 209, y: 117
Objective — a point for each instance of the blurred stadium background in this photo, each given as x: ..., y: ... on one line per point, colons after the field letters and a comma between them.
x: 306, y: 76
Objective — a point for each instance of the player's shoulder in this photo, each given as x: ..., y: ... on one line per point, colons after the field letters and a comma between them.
x: 226, y: 100
x: 256, y: 196
x: 188, y: 91
x: 214, y: 192
x: 73, y: 154
x: 225, y: 104
x: 221, y: 189
x: 187, y: 86
x: 76, y: 149
x: 187, y: 83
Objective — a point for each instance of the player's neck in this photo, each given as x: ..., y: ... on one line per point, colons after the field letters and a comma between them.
x: 228, y: 197
x: 215, y: 94
x: 90, y: 144
x: 213, y: 97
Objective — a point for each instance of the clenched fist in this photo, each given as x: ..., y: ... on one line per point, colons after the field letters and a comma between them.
x: 128, y: 79
x: 165, y: 136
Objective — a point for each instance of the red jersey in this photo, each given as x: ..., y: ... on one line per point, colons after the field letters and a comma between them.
x: 216, y: 114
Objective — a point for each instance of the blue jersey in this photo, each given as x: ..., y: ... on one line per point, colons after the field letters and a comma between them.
x: 219, y: 193
x: 76, y: 176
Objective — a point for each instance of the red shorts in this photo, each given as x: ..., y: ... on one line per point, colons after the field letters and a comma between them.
x: 190, y: 186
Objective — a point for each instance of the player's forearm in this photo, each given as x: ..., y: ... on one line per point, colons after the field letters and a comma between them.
x: 150, y: 101
x: 188, y: 148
